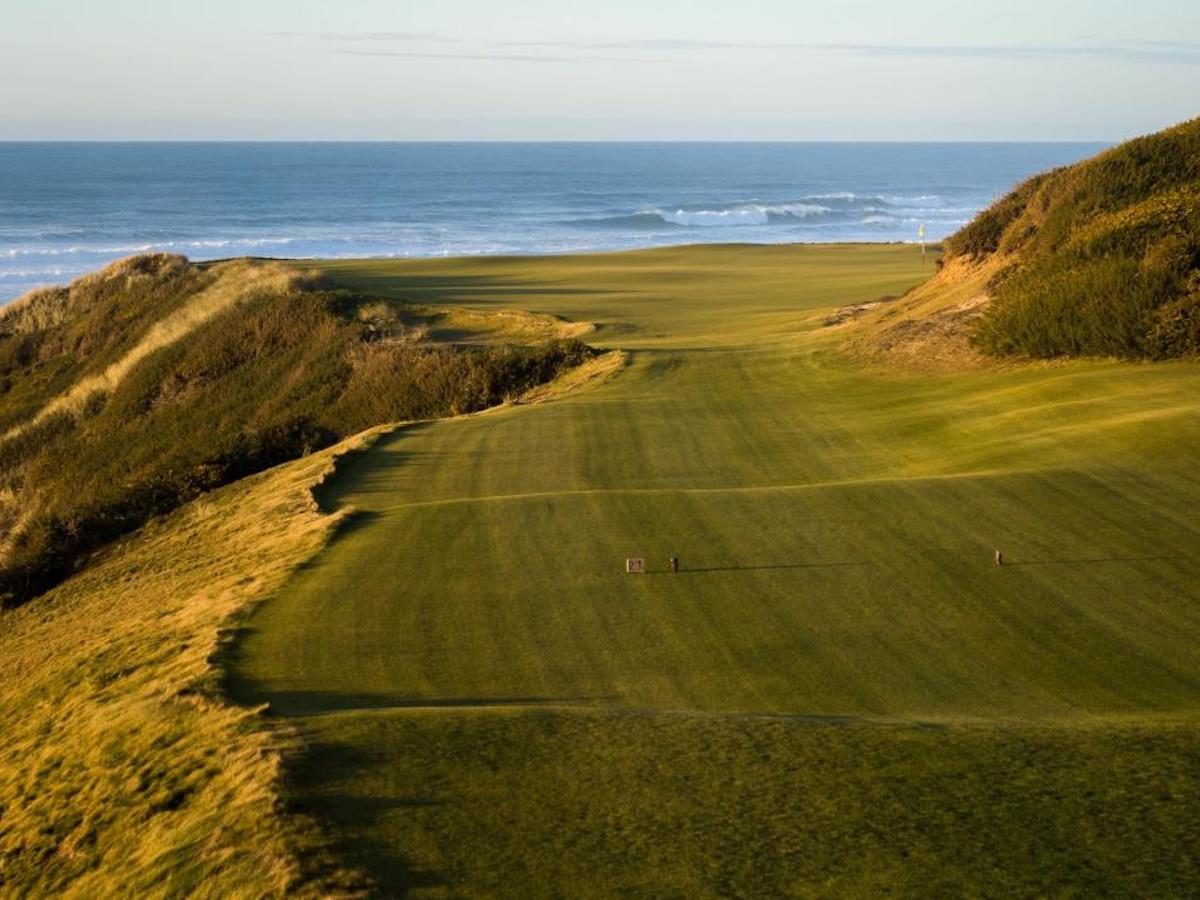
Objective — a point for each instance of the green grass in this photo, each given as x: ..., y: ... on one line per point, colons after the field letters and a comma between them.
x: 610, y: 804
x: 494, y: 708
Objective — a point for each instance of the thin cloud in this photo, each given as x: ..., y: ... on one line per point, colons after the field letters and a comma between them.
x: 368, y: 36
x: 487, y: 52
x: 496, y: 57
x: 656, y: 44
x: 491, y: 57
x: 1130, y: 51
x: 1175, y: 45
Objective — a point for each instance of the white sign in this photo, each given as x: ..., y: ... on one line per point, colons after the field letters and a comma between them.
x: 635, y: 567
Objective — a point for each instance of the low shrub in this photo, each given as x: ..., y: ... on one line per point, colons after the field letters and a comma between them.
x: 1099, y: 256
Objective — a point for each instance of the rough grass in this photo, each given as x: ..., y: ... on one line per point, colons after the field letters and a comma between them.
x: 840, y: 694
x: 931, y: 327
x: 1099, y: 259
x: 121, y: 773
x: 232, y: 282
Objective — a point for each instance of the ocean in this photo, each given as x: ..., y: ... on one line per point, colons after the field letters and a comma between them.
x: 66, y: 209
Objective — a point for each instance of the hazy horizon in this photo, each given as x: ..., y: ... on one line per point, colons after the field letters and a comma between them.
x: 533, y: 71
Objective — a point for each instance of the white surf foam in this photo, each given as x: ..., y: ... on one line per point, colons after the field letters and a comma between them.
x: 741, y: 214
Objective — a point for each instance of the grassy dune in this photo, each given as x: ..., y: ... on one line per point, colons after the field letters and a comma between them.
x: 1101, y: 258
x: 839, y: 693
x: 236, y: 282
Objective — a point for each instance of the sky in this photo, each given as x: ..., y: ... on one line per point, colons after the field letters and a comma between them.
x: 1056, y: 70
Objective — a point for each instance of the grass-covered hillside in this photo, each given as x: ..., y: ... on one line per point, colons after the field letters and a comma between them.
x: 153, y: 381
x: 838, y: 695
x: 1097, y: 259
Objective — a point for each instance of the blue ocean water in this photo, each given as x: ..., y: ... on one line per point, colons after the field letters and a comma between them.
x: 66, y: 209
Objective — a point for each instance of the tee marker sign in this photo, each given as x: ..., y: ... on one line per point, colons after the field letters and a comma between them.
x: 635, y: 567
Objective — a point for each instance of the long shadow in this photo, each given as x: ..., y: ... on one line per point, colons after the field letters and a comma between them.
x: 356, y: 521
x: 315, y: 703
x: 351, y: 467
x: 366, y: 811
x: 833, y: 565
x: 452, y: 289
x: 1083, y: 561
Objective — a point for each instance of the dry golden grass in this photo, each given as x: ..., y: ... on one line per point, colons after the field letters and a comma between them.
x: 236, y: 281
x: 50, y: 306
x: 399, y: 319
x: 509, y: 326
x: 594, y: 372
x: 122, y: 773
x: 929, y: 328
x: 38, y: 309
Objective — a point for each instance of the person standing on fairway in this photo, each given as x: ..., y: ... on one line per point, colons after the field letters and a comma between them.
x: 675, y: 564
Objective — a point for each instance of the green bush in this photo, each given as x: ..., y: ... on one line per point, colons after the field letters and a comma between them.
x: 1098, y: 255
x: 981, y: 237
x: 1175, y: 331
x: 1104, y: 308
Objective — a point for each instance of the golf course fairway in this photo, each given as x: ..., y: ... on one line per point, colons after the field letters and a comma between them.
x: 839, y: 693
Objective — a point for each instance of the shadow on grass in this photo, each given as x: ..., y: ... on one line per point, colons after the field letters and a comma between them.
x: 354, y: 818
x: 355, y: 522
x: 685, y: 570
x: 1084, y: 561
x: 452, y: 289
x: 315, y: 703
x: 355, y: 467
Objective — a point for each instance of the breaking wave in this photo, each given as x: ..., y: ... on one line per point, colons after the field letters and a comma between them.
x: 733, y: 215
x: 150, y: 247
x: 742, y: 214
x: 833, y: 209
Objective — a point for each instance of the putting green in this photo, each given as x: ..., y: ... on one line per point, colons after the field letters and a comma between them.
x: 837, y: 600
